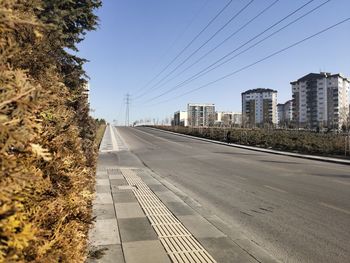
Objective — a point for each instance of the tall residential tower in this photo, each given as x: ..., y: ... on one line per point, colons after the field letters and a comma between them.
x: 259, y: 107
x: 201, y: 114
x: 285, y: 113
x: 320, y: 100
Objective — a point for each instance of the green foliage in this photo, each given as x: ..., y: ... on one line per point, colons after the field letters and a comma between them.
x: 47, y: 138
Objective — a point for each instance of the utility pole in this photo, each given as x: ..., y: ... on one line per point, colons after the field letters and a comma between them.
x: 127, y: 102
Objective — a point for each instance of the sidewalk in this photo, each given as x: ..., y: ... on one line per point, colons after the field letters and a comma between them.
x: 138, y: 219
x: 142, y: 218
x: 121, y: 232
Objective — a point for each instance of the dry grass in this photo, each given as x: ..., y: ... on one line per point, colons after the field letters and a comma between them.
x: 99, y: 134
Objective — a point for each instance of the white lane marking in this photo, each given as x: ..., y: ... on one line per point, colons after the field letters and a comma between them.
x: 335, y: 208
x: 341, y: 182
x: 275, y: 189
x: 240, y: 177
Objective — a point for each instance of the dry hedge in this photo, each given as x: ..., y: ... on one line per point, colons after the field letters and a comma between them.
x: 47, y: 150
x: 307, y: 142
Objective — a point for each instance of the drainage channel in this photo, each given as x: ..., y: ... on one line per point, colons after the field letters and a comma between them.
x: 178, y: 242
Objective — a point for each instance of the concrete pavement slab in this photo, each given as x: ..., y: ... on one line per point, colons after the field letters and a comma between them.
x: 143, y: 174
x: 145, y: 252
x: 116, y: 188
x: 103, y: 211
x: 180, y: 208
x: 224, y: 250
x: 128, y: 210
x: 200, y: 227
x: 158, y: 188
x: 151, y: 181
x: 168, y: 196
x: 124, y: 187
x: 136, y: 229
x: 106, y: 254
x: 115, y: 176
x: 103, y: 189
x: 101, y: 175
x: 124, y: 196
x: 118, y: 182
x: 104, y: 232
x: 113, y: 171
x: 127, y: 159
x: 100, y: 168
x: 103, y: 198
x: 102, y: 181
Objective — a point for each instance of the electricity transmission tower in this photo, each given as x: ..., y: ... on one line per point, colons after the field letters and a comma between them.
x: 127, y: 113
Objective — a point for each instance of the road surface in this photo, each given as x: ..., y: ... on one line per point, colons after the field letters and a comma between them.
x: 296, y: 210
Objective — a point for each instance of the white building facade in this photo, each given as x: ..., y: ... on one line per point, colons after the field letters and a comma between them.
x: 201, y: 114
x: 228, y: 118
x: 259, y: 107
x: 285, y: 113
x: 180, y: 118
x: 321, y: 100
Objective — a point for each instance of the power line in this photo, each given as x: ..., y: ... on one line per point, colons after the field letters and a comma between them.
x: 191, y: 42
x: 258, y: 61
x: 208, y: 69
x: 205, y: 70
x: 176, y: 40
x: 222, y: 42
x: 201, y: 46
x: 262, y: 40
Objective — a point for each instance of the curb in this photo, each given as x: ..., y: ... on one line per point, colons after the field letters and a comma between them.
x: 252, y: 148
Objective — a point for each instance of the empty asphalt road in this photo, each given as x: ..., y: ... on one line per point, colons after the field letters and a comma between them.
x: 296, y: 210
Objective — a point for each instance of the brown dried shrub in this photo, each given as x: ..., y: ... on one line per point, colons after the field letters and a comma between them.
x: 47, y: 149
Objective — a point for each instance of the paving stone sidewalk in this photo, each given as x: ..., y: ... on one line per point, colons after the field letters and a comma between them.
x: 123, y: 233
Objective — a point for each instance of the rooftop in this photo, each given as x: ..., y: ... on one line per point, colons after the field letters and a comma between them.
x: 201, y: 104
x: 260, y: 90
x: 320, y: 75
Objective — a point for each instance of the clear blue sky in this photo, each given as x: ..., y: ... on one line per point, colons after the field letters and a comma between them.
x: 136, y: 39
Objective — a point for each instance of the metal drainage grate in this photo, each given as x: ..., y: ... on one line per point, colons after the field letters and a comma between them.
x: 178, y: 242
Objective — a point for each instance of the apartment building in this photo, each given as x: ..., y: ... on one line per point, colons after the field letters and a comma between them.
x: 201, y: 114
x: 259, y: 107
x: 284, y: 113
x: 180, y: 118
x: 228, y: 118
x: 86, y: 91
x: 320, y: 100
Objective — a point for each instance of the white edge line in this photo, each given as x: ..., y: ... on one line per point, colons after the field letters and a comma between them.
x: 335, y: 208
x: 275, y: 189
